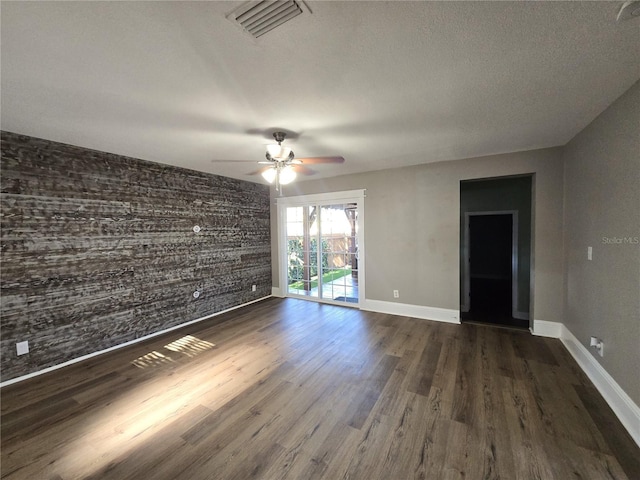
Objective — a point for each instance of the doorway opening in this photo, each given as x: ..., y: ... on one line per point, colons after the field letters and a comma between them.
x: 495, y: 253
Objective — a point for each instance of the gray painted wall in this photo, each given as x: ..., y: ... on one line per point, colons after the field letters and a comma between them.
x: 513, y: 193
x: 412, y: 227
x: 98, y: 249
x: 602, y: 208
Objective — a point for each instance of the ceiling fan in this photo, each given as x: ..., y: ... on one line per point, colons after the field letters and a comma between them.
x: 283, y: 166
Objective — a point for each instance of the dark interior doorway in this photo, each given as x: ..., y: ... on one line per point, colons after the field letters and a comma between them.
x: 495, y: 250
x: 490, y: 268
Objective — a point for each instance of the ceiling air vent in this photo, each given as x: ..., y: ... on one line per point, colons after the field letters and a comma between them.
x: 258, y: 18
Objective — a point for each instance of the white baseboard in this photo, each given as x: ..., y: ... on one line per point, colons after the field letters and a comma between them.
x: 542, y: 328
x: 125, y: 344
x: 625, y: 409
x: 415, y: 311
x: 520, y: 315
x: 277, y: 292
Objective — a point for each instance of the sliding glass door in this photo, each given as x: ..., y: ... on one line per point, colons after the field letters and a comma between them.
x: 322, y: 249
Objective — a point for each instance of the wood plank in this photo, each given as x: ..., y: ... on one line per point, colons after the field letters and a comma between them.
x: 617, y: 438
x: 426, y: 369
x: 365, y: 402
x: 466, y: 386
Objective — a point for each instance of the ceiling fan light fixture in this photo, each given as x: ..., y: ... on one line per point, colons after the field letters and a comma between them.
x: 287, y: 175
x: 278, y: 152
x: 283, y: 167
x: 270, y: 174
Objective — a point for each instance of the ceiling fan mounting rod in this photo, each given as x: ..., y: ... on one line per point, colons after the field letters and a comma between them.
x: 279, y: 136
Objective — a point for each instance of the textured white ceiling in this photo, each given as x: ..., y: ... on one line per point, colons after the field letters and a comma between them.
x: 383, y: 84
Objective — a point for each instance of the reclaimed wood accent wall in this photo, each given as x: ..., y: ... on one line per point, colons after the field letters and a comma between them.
x: 99, y: 249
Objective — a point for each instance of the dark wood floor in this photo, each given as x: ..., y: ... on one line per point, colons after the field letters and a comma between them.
x: 299, y: 390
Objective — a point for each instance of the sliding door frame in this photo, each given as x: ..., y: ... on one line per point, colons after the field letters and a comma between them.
x: 321, y: 199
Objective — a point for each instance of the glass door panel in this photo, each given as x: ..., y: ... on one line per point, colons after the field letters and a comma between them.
x: 338, y: 279
x: 302, y: 251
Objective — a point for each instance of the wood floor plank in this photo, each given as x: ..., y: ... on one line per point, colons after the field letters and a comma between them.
x: 253, y: 465
x: 407, y: 338
x: 136, y: 463
x: 330, y: 448
x: 288, y: 389
x: 365, y: 458
x: 617, y: 438
x: 407, y: 449
x: 568, y: 416
x: 455, y: 463
x: 365, y: 402
x: 445, y: 375
x: 466, y: 387
x: 498, y: 461
x: 427, y: 364
x: 532, y: 348
x: 527, y: 436
x: 268, y: 390
x: 390, y: 400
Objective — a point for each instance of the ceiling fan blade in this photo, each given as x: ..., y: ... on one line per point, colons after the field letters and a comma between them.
x: 303, y: 170
x: 232, y: 161
x: 259, y: 171
x: 319, y: 160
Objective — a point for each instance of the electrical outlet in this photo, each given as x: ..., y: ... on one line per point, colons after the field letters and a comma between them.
x: 253, y: 288
x: 598, y: 344
x: 22, y: 347
x: 396, y: 294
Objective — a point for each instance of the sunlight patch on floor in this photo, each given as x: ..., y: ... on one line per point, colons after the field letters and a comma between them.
x: 152, y: 359
x: 189, y: 345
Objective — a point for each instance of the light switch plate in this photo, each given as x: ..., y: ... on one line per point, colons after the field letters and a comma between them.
x: 22, y: 347
x: 589, y: 253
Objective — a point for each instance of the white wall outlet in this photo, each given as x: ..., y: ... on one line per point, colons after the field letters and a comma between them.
x: 22, y: 347
x: 396, y: 294
x: 253, y: 288
x: 589, y: 253
x: 598, y: 344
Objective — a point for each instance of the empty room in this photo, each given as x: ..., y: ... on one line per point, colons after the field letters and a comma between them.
x: 372, y: 240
